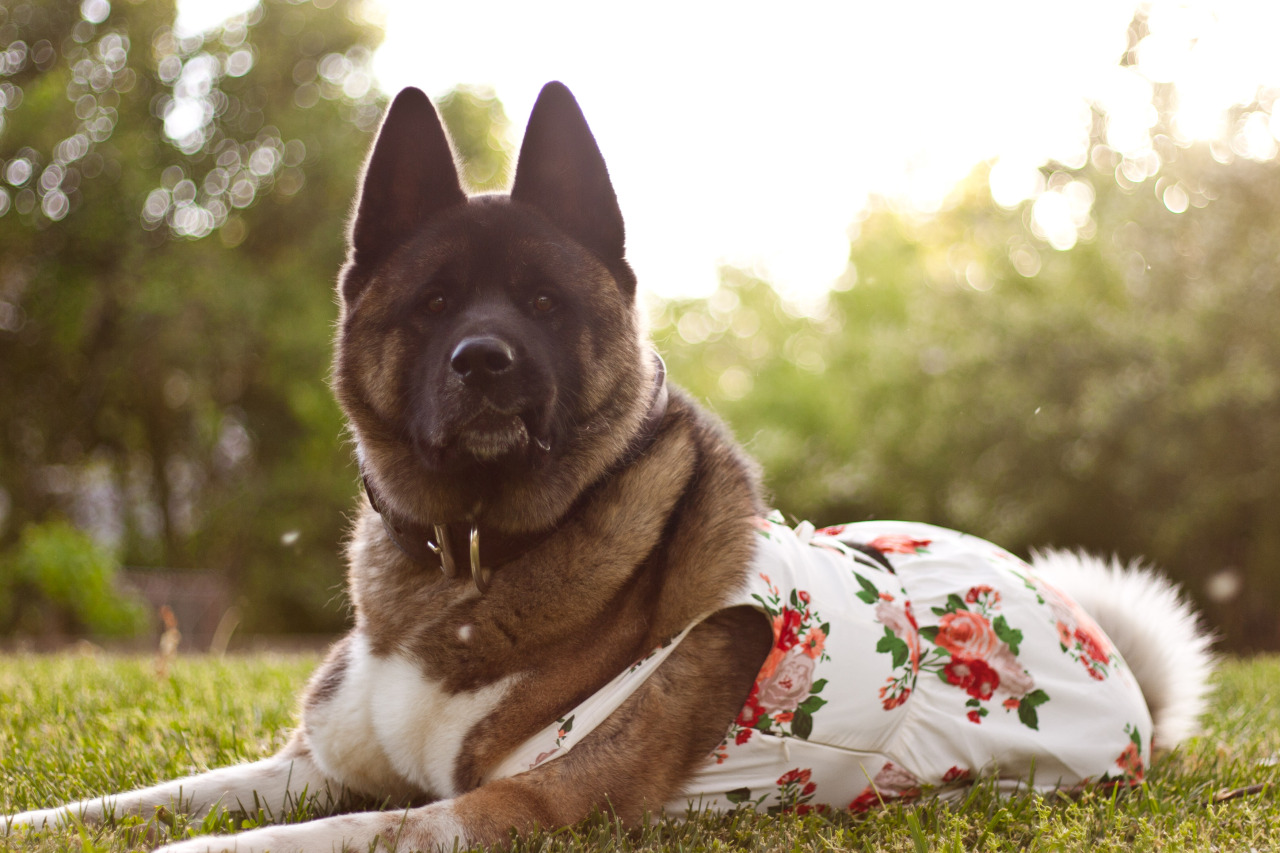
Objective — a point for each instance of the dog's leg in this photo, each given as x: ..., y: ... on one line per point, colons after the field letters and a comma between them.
x: 635, y: 761
x: 273, y: 784
x: 355, y: 832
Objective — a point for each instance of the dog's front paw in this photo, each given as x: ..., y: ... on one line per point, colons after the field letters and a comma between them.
x: 257, y: 841
x: 207, y: 844
x: 319, y: 836
x: 428, y: 828
x: 35, y: 820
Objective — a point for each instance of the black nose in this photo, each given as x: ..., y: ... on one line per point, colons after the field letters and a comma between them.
x: 478, y: 360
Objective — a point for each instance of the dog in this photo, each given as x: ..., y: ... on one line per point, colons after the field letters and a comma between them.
x: 569, y: 594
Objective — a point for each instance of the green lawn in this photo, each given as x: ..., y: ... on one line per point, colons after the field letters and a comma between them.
x: 72, y: 726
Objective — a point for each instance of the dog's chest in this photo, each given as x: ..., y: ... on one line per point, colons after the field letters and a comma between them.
x: 389, y: 728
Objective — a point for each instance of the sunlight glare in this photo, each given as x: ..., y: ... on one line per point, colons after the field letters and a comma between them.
x: 198, y: 16
x: 761, y: 134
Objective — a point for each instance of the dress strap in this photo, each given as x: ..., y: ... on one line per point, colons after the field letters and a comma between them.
x: 562, y: 735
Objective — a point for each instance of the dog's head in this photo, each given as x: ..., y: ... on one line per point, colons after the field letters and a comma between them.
x: 489, y: 357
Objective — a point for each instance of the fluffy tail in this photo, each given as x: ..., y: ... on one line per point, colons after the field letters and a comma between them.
x: 1155, y: 629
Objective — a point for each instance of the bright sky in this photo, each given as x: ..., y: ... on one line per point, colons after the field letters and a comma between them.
x: 753, y: 133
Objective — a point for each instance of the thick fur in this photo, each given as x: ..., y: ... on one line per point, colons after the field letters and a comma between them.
x: 491, y: 364
x: 1166, y: 648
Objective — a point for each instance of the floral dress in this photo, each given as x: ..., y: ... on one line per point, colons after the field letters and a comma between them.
x: 906, y: 658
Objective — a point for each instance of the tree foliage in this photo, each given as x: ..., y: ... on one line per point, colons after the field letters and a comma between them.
x: 172, y: 210
x: 1121, y: 396
x: 65, y: 583
x: 479, y: 130
x: 173, y: 226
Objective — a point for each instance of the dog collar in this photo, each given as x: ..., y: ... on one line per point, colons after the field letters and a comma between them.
x: 455, y: 544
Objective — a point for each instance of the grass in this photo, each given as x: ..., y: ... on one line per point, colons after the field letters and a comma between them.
x: 73, y: 726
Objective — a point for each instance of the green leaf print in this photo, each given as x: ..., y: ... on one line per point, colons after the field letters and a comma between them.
x: 1011, y: 636
x: 811, y: 704
x: 954, y: 603
x: 817, y: 686
x: 870, y: 593
x: 802, y: 724
x: 1027, y: 708
x: 891, y: 642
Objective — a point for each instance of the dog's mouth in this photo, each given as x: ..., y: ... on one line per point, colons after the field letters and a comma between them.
x: 492, y: 434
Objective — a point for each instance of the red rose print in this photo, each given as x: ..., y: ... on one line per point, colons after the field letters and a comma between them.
x: 1089, y: 668
x: 891, y: 701
x: 785, y: 627
x: 751, y: 710
x: 974, y: 717
x: 955, y: 774
x: 1064, y: 634
x: 977, y: 679
x: 968, y: 635
x: 803, y: 596
x: 796, y: 775
x: 898, y: 544
x: 1092, y: 644
x: 865, y: 801
x: 742, y: 736
x: 1130, y: 761
x: 978, y: 592
x: 830, y: 531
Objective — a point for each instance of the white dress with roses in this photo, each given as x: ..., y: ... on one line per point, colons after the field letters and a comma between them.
x: 926, y: 661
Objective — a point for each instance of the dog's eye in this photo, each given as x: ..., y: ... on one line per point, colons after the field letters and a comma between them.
x: 436, y: 304
x: 542, y: 302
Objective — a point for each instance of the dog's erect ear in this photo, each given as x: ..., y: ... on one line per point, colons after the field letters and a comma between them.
x: 411, y: 177
x: 562, y: 173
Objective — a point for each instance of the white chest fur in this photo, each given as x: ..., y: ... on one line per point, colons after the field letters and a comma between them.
x: 391, y: 730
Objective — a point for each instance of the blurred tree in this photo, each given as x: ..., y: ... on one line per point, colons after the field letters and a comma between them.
x: 59, y: 582
x: 479, y: 129
x: 1121, y: 395
x: 172, y: 221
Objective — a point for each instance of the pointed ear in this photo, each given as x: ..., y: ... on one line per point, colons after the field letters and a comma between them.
x: 561, y: 172
x: 410, y: 177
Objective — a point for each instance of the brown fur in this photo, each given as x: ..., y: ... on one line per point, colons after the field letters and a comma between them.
x: 663, y: 542
x: 632, y: 568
